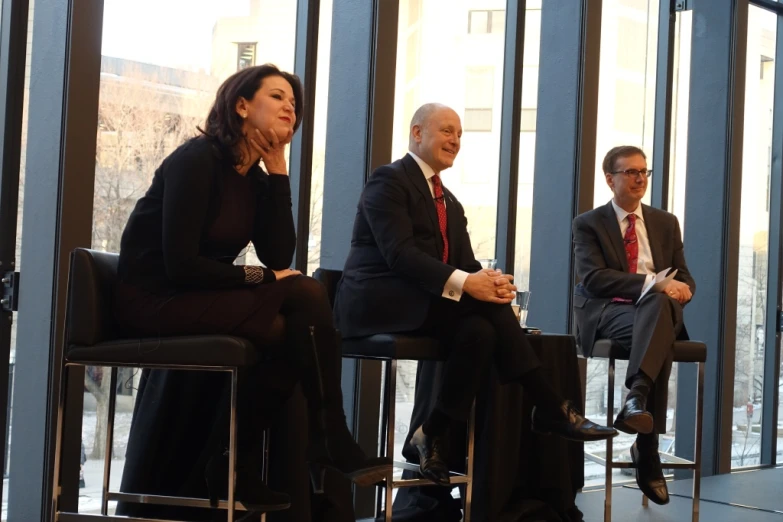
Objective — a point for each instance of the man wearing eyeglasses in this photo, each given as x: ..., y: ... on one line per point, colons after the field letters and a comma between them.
x: 618, y: 249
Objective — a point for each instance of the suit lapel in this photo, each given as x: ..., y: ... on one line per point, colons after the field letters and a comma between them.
x: 652, y: 236
x: 419, y: 181
x: 616, y: 237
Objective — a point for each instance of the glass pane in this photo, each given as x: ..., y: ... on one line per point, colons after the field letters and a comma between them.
x: 469, y: 79
x: 527, y: 145
x: 319, y: 136
x: 754, y: 238
x: 626, y: 92
x: 681, y: 73
x: 154, y: 91
x: 626, y: 103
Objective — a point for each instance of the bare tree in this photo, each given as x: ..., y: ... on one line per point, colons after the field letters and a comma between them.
x: 140, y: 122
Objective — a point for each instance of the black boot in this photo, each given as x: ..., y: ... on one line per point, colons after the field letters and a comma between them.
x: 331, y: 444
x: 251, y: 490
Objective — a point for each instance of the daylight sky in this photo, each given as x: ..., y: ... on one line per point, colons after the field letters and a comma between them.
x: 172, y: 33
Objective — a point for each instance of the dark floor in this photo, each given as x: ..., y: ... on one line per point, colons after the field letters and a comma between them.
x: 754, y: 496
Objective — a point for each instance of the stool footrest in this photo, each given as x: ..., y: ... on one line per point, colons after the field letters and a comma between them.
x: 65, y: 516
x: 667, y: 462
x: 409, y: 483
x: 454, y: 477
x: 161, y: 500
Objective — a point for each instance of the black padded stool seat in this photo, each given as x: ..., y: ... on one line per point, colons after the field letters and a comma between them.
x: 684, y: 351
x: 93, y: 339
x: 391, y: 347
x: 394, y: 346
x: 199, y: 350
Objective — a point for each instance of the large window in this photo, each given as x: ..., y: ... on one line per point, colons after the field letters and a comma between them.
x: 468, y: 78
x: 319, y: 137
x: 246, y: 55
x: 154, y: 91
x: 527, y: 144
x: 486, y: 21
x: 479, y: 98
x: 680, y: 96
x: 754, y: 238
x: 626, y: 99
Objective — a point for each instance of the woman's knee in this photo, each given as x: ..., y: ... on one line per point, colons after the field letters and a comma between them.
x: 308, y: 300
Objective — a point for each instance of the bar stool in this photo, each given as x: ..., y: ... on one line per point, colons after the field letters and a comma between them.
x: 391, y: 348
x: 91, y: 340
x: 684, y: 351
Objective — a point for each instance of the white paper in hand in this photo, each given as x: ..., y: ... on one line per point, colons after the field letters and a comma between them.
x: 658, y: 282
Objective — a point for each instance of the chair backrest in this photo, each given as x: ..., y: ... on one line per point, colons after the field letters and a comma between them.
x: 90, y: 308
x: 330, y: 279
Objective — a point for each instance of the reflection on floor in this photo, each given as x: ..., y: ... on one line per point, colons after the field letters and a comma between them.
x: 752, y: 496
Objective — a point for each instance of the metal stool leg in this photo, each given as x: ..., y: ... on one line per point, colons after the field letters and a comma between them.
x: 609, y: 446
x: 265, y: 465
x: 232, y: 445
x: 469, y: 463
x: 391, y: 386
x: 380, y: 494
x: 58, y: 443
x: 697, y: 443
x: 109, y: 442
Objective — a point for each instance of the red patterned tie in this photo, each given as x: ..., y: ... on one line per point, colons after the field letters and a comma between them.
x: 440, y: 205
x: 631, y: 245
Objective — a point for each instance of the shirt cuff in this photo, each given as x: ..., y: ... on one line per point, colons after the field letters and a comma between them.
x: 453, y: 287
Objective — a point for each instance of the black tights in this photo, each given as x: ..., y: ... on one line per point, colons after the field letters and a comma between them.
x: 306, y: 304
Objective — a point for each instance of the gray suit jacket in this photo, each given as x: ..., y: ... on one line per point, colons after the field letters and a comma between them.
x: 602, y: 267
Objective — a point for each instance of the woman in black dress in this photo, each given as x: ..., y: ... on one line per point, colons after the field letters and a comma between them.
x: 177, y: 276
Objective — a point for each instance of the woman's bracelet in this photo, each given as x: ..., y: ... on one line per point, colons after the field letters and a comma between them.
x: 256, y: 275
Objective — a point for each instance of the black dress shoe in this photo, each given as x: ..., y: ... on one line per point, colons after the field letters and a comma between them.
x: 432, y: 456
x: 649, y: 475
x: 634, y: 417
x: 568, y: 423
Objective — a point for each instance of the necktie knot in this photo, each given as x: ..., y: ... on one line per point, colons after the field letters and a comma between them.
x: 632, y: 219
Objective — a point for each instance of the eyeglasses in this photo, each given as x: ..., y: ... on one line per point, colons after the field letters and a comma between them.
x: 634, y: 173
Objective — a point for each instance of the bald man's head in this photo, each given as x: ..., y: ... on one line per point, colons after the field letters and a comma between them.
x: 435, y: 135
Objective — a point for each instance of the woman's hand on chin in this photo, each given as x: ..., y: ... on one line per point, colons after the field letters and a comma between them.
x: 271, y: 148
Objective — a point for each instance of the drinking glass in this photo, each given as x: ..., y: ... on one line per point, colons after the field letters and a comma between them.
x: 523, y: 302
x: 488, y: 263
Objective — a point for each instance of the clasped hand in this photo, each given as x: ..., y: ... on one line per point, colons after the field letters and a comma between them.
x: 492, y: 286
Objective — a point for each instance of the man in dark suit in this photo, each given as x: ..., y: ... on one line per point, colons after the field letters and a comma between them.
x: 411, y: 268
x: 618, y: 248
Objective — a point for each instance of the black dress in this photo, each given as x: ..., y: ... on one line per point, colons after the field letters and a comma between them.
x: 177, y: 277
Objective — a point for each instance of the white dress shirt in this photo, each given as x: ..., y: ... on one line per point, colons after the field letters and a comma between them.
x: 453, y: 287
x: 644, y: 262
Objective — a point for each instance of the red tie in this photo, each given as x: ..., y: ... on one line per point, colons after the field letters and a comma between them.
x: 631, y: 245
x: 440, y: 205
